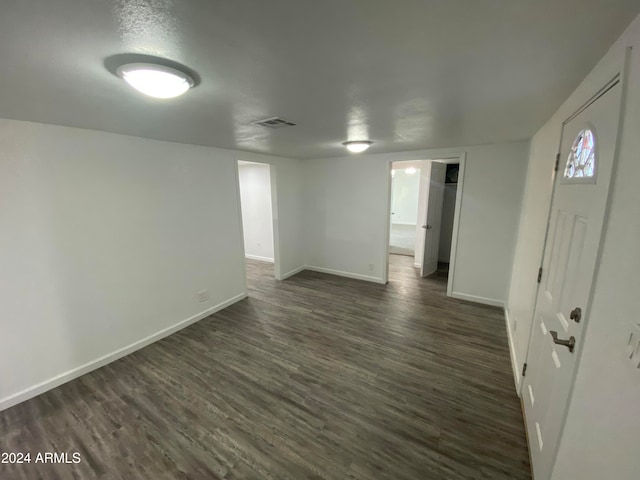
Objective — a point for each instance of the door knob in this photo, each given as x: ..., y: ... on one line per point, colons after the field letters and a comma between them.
x: 570, y: 344
x: 428, y: 227
x: 576, y: 314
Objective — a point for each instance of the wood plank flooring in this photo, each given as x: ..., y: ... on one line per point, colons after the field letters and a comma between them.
x: 316, y: 377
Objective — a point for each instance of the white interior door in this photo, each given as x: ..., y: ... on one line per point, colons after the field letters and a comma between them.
x: 571, y: 252
x: 433, y: 218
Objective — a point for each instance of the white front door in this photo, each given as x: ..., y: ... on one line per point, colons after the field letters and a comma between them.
x: 570, y: 258
x: 433, y: 220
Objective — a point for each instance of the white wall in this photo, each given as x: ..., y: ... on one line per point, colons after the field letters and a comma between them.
x: 405, y: 197
x: 105, y: 241
x: 346, y: 205
x: 600, y: 438
x: 448, y: 211
x: 257, y: 221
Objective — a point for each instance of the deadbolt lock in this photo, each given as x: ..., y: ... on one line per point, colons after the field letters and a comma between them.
x: 576, y: 314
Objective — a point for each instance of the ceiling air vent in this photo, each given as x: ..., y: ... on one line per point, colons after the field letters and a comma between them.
x: 274, y: 122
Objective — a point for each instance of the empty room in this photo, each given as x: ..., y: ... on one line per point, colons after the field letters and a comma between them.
x: 296, y: 239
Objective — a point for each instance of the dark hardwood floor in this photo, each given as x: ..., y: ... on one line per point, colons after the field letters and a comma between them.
x: 314, y: 377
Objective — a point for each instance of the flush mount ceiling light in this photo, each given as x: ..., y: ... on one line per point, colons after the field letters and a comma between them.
x: 410, y: 170
x: 357, y: 146
x: 158, y: 81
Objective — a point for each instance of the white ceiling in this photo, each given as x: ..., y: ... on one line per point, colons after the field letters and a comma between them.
x: 407, y: 74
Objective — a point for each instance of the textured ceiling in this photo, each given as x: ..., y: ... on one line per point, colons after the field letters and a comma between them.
x: 405, y: 74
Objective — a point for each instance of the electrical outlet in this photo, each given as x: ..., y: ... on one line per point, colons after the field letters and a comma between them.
x: 203, y: 296
x: 371, y: 266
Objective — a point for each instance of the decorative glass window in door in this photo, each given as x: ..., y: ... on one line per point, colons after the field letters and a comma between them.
x: 582, y: 157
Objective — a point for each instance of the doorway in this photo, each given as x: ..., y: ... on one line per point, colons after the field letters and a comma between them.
x: 405, y: 189
x: 424, y: 202
x: 571, y: 254
x: 257, y: 193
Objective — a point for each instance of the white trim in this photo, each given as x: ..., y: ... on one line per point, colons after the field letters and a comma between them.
x: 275, y: 220
x: 416, y: 265
x: 387, y: 228
x: 293, y: 272
x: 236, y: 172
x: 65, y: 377
x: 512, y: 351
x: 477, y: 299
x: 259, y: 258
x: 340, y: 273
x: 456, y: 223
x: 329, y: 271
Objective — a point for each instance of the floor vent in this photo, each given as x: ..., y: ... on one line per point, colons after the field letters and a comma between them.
x: 274, y: 122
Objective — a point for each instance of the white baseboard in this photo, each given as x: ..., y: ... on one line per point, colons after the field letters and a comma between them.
x: 477, y: 299
x: 356, y: 276
x: 339, y: 273
x: 292, y: 272
x: 515, y: 366
x: 65, y: 377
x: 259, y: 258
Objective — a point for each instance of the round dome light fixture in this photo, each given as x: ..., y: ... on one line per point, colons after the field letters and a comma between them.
x: 158, y: 81
x: 358, y: 146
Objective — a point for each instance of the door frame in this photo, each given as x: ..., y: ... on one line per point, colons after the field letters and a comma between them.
x: 619, y: 77
x: 274, y: 217
x: 454, y: 157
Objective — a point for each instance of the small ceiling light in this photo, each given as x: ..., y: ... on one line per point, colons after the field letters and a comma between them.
x: 156, y: 81
x: 358, y: 146
x: 410, y: 170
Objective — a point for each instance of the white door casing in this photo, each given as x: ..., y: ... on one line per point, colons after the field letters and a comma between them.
x: 392, y: 203
x: 572, y: 246
x: 433, y: 218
